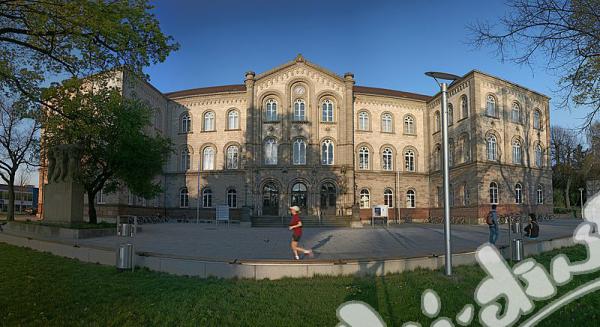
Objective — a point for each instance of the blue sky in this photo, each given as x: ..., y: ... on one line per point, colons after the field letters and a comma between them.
x: 386, y: 44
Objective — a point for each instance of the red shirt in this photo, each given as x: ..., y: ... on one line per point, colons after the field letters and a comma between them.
x: 295, y: 220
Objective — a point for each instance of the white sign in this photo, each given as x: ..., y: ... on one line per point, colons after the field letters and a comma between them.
x: 223, y: 212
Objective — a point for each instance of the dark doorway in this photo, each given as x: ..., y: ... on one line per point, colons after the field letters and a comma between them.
x: 299, y: 195
x: 270, y: 200
x: 328, y: 199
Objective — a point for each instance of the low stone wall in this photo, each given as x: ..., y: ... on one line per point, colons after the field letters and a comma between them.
x: 266, y: 269
x: 42, y: 231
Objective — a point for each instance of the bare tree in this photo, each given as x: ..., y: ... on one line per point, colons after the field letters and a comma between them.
x: 563, y: 33
x: 566, y: 155
x: 19, y: 146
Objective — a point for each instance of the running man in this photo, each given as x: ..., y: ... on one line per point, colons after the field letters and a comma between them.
x: 296, y: 226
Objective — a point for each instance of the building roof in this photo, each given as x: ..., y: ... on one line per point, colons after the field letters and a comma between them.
x: 392, y: 93
x: 207, y: 90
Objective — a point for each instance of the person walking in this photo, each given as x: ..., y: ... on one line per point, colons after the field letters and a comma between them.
x: 296, y: 227
x: 492, y: 221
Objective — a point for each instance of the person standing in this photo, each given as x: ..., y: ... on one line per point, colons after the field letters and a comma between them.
x: 296, y: 227
x: 492, y: 221
x: 532, y: 230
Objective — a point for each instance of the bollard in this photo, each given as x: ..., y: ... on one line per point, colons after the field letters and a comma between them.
x: 518, y: 251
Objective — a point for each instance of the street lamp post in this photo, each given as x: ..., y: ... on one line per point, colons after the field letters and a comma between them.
x: 444, y: 91
x: 581, y: 200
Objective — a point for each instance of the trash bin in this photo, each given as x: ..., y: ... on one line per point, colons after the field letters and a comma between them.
x: 125, y: 256
x: 517, y: 228
x: 125, y: 230
x: 517, y: 248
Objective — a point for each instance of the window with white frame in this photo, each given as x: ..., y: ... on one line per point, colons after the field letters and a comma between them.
x: 101, y: 196
x: 184, y: 199
x: 271, y: 112
x: 464, y: 104
x: 491, y: 148
x: 540, y: 194
x: 186, y: 159
x: 363, y: 158
x: 537, y: 119
x: 516, y: 113
x: 491, y: 106
x: 363, y: 121
x: 208, y: 158
x: 410, y: 199
x: 270, y: 151
x: 207, y: 198
x: 327, y: 152
x: 299, y: 150
x: 539, y: 162
x: 388, y: 198
x: 386, y: 123
x: 232, y: 198
x: 493, y: 193
x: 518, y: 193
x: 365, y: 198
x: 233, y: 120
x: 327, y: 114
x: 185, y: 125
x: 409, y: 160
x: 233, y: 157
x: 517, y: 152
x: 387, y: 159
x: 299, y: 110
x: 209, y: 121
x: 409, y: 125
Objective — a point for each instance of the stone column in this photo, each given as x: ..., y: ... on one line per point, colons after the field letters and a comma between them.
x: 249, y: 150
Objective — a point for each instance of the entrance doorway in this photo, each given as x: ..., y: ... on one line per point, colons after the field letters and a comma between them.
x: 328, y: 199
x: 299, y: 195
x: 270, y: 200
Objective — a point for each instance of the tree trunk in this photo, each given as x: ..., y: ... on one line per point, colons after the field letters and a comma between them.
x: 567, y: 193
x: 92, y: 207
x: 10, y: 215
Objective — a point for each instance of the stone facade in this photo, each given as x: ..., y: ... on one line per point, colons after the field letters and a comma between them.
x: 300, y: 134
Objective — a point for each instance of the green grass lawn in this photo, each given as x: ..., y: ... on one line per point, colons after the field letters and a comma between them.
x: 39, y: 289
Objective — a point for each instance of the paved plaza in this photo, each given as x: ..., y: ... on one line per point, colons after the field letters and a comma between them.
x: 207, y: 241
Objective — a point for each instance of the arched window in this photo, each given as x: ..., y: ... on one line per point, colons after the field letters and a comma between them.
x: 450, y: 114
x: 232, y: 198
x: 270, y: 151
x: 299, y: 195
x: 437, y: 121
x: 299, y: 150
x: 491, y: 106
x: 537, y: 119
x: 516, y: 113
x: 186, y: 159
x: 516, y: 146
x: 492, y: 152
x: 411, y: 199
x: 518, y: 193
x: 386, y: 123
x: 409, y: 125
x: 233, y: 121
x: 388, y: 198
x: 464, y: 104
x: 363, y: 121
x: 327, y: 115
x: 466, y: 148
x: 539, y: 162
x: 437, y: 157
x: 209, y: 121
x: 409, y: 160
x: 208, y: 159
x: 185, y: 125
x: 466, y: 196
x: 450, y: 152
x: 387, y: 159
x: 363, y: 158
x: 299, y: 111
x: 271, y: 112
x: 184, y: 199
x: 232, y: 157
x: 540, y: 194
x: 207, y: 198
x: 365, y: 198
x: 327, y: 152
x: 493, y: 193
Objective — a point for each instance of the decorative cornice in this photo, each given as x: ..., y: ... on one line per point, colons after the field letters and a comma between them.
x: 299, y: 71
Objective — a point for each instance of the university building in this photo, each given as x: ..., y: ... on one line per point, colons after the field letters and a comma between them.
x: 300, y: 134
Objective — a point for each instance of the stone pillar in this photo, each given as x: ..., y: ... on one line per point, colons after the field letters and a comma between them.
x: 249, y: 150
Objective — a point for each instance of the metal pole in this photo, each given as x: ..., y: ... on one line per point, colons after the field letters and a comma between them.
x: 198, y: 195
x: 581, y: 200
x: 444, y: 87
